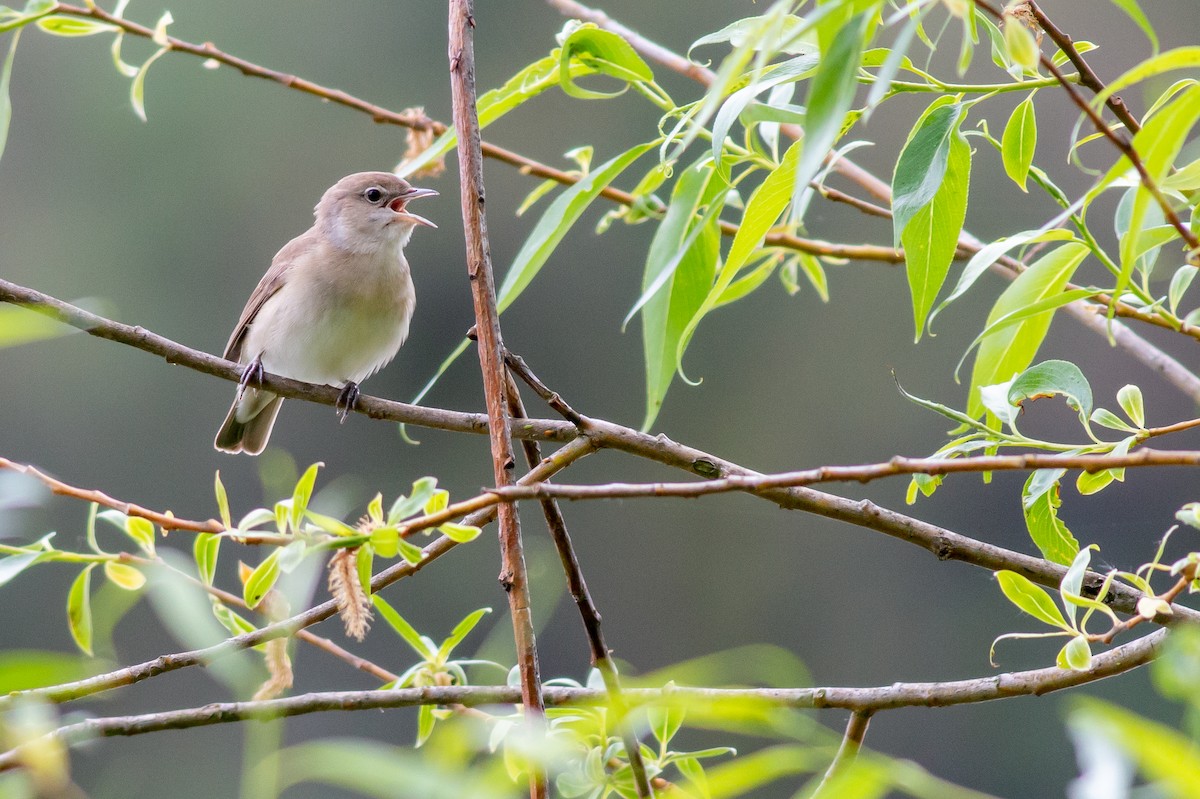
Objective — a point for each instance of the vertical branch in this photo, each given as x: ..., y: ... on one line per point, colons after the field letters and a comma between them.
x: 513, y: 576
x: 577, y: 587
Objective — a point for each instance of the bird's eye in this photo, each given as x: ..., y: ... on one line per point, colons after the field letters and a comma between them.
x: 373, y: 194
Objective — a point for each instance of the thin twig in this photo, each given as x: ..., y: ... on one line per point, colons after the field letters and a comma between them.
x: 601, y: 656
x: 856, y: 731
x: 513, y: 576
x: 862, y: 474
x: 1035, y: 682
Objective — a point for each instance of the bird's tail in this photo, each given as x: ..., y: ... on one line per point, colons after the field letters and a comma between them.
x: 247, y: 426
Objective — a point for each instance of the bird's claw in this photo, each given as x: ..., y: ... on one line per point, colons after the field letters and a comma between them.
x: 253, y: 373
x: 346, y: 400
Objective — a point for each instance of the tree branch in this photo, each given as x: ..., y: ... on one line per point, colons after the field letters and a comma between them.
x: 862, y: 474
x: 513, y: 576
x: 1035, y: 682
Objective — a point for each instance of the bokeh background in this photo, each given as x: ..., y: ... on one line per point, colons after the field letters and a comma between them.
x: 169, y: 224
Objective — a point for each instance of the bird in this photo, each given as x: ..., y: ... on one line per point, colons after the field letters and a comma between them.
x: 333, y: 308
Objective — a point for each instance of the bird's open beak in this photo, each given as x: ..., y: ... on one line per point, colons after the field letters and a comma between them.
x: 398, y: 205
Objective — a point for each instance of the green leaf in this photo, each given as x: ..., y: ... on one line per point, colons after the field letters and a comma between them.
x: 137, y: 90
x: 364, y: 561
x: 205, y: 549
x: 460, y: 533
x: 1050, y: 378
x: 1076, y: 655
x: 5, y: 120
x: 406, y: 630
x: 302, y: 494
x: 1019, y: 141
x: 404, y: 506
x: 1071, y: 587
x: 930, y: 237
x: 737, y: 103
x: 1019, y: 44
x: 1031, y: 598
x: 438, y: 501
x: 1130, y: 400
x: 528, y: 83
x: 231, y: 621
x: 73, y: 26
x: 991, y: 253
x: 606, y: 53
x: 1166, y: 757
x: 20, y: 325
x: 410, y: 552
x: 123, y: 575
x: 1135, y: 13
x: 1088, y: 484
x: 261, y: 580
x: 23, y: 670
x: 692, y: 260
x: 1048, y: 532
x: 1179, y: 58
x: 79, y: 610
x: 222, y: 501
x: 557, y: 220
x: 386, y: 541
x: 461, y: 631
x: 425, y: 722
x: 141, y: 531
x: 13, y: 565
x: 830, y: 96
x: 763, y: 209
x: 922, y: 163
x: 1011, y: 350
x: 665, y: 722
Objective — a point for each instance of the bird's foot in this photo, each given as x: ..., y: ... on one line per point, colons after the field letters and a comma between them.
x: 253, y: 373
x: 347, y: 400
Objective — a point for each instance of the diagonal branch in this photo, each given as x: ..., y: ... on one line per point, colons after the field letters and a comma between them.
x: 513, y: 576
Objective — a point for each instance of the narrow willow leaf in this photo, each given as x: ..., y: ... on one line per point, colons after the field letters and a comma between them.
x: 410, y: 552
x: 425, y: 722
x: 401, y: 626
x: 1049, y: 533
x: 1031, y: 598
x: 1053, y: 378
x: 1179, y: 58
x: 79, y: 610
x: 459, y: 533
x: 222, y: 501
x: 737, y: 103
x: 12, y: 565
x: 123, y: 575
x: 20, y: 325
x: 830, y: 96
x: 897, y: 55
x: 205, y: 550
x: 261, y: 580
x: 922, y: 163
x: 765, y: 206
x: 691, y: 262
x: 1019, y: 141
x: 555, y: 223
x: 141, y: 531
x: 1135, y: 13
x: 528, y: 83
x: 302, y: 494
x: 461, y: 631
x: 1011, y: 350
x: 364, y: 562
x: 930, y: 238
x: 5, y: 98
x: 137, y: 90
x: 73, y: 26
x: 992, y: 252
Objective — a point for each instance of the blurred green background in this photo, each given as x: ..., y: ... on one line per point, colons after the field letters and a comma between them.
x: 169, y: 224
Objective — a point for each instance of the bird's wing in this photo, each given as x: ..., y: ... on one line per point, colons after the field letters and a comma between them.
x: 271, y: 282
